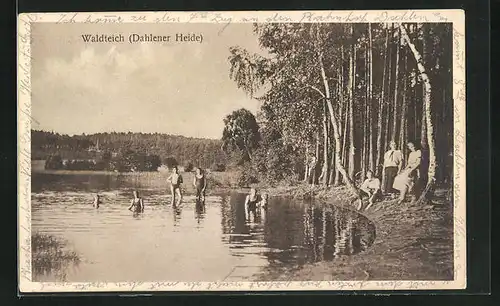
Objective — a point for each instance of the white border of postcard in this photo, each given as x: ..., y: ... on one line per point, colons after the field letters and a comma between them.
x: 456, y: 17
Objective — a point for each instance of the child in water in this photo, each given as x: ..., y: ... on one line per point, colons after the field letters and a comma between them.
x: 263, y: 202
x: 137, y: 204
x: 97, y: 201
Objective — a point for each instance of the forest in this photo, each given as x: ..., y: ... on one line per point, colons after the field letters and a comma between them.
x: 337, y: 94
x: 171, y: 149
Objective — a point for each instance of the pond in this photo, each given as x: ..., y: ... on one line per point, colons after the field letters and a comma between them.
x: 190, y: 242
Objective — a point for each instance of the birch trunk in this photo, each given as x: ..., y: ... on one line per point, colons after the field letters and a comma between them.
x: 370, y: 99
x: 428, y: 112
x: 343, y: 110
x: 365, y: 124
x: 324, y: 174
x: 402, y: 132
x: 352, y: 82
x: 306, y: 168
x: 388, y: 105
x: 316, y: 154
x: 396, y: 81
x: 381, y: 111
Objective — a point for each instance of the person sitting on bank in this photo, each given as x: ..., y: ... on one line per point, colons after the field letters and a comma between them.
x: 175, y: 180
x: 137, y: 203
x: 405, y: 181
x: 97, y: 201
x: 370, y: 188
x: 393, y: 162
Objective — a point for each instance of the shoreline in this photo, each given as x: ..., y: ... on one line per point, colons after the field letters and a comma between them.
x: 413, y: 242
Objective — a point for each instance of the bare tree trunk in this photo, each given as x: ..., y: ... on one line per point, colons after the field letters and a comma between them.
x: 370, y: 97
x: 381, y: 110
x: 352, y: 84
x: 306, y: 168
x: 388, y: 103
x: 335, y: 173
x: 366, y: 123
x: 403, y: 133
x: 316, y: 154
x: 428, y: 112
x: 396, y: 81
x: 423, y: 130
x: 344, y: 108
x: 324, y: 174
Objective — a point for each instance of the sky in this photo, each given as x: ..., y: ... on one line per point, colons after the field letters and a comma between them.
x: 174, y: 88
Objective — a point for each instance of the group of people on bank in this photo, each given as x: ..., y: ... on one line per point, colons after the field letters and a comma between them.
x: 395, y: 178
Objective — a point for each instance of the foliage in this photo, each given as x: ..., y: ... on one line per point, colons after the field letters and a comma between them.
x: 218, y: 167
x: 53, y: 162
x: 188, y: 167
x: 241, y: 132
x: 276, y: 161
x: 170, y: 162
x: 247, y: 175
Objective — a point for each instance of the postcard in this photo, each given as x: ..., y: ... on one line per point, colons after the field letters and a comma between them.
x: 241, y: 151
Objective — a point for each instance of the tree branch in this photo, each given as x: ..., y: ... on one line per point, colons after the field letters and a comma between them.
x: 311, y: 87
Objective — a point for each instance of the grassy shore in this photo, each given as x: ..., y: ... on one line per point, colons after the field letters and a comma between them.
x: 50, y: 256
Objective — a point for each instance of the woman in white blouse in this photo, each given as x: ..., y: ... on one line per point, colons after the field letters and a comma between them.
x: 406, y: 179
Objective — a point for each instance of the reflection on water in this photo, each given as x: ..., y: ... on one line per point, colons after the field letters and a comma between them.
x: 296, y: 233
x: 189, y: 241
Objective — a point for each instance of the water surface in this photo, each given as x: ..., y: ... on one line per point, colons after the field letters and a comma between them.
x: 193, y: 241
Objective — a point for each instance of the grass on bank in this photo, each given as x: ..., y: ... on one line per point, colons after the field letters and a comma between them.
x: 49, y: 255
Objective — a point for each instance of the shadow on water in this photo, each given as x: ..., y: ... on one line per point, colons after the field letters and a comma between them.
x: 296, y: 233
x: 200, y: 211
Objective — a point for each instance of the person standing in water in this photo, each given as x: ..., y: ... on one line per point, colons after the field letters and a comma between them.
x: 97, y: 201
x: 200, y: 183
x: 264, y: 200
x: 252, y: 202
x: 175, y: 180
x: 137, y: 204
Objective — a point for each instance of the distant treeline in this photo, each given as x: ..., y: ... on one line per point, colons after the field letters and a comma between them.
x: 126, y: 161
x: 170, y: 149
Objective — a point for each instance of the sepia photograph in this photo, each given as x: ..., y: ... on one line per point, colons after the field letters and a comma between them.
x: 165, y: 155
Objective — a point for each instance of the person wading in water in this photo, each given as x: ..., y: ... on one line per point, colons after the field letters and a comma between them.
x: 254, y: 202
x: 137, y: 203
x: 175, y: 180
x: 200, y: 183
x: 97, y: 201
